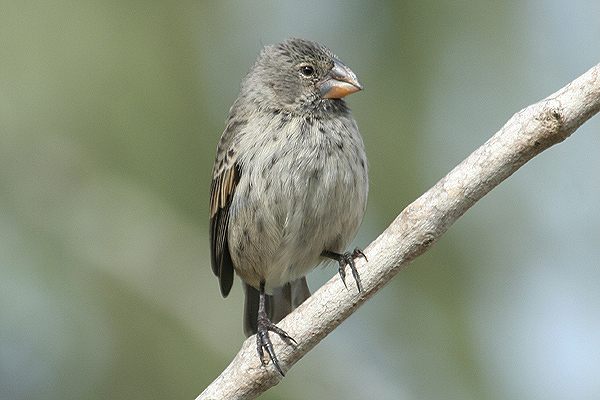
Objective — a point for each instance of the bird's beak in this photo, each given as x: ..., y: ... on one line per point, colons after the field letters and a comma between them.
x: 340, y: 82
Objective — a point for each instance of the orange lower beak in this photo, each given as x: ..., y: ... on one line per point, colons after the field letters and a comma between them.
x: 340, y: 82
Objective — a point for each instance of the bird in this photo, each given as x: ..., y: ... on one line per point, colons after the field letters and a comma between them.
x: 289, y: 185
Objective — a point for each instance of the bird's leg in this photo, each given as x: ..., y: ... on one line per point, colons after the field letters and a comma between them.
x: 264, y: 325
x: 346, y: 259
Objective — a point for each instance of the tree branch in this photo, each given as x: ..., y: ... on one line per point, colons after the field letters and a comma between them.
x: 528, y: 133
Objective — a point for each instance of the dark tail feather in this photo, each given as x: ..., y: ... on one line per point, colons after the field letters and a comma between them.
x: 283, y: 300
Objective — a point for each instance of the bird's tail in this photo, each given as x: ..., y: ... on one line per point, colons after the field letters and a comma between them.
x: 283, y: 300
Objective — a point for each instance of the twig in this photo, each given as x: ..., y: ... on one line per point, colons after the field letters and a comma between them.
x: 528, y: 133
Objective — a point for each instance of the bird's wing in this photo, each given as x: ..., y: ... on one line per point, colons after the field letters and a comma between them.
x: 226, y: 175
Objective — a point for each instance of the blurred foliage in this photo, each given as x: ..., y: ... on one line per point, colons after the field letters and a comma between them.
x: 110, y: 113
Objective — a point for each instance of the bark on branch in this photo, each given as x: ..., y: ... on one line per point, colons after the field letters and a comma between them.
x: 528, y: 133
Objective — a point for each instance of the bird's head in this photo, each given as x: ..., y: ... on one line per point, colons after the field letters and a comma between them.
x: 302, y: 77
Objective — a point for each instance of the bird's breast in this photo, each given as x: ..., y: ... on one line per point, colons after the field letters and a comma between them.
x: 303, y: 189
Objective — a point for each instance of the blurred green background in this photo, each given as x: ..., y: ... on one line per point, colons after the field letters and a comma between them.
x: 110, y: 113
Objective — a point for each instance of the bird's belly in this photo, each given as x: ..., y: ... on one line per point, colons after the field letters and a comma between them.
x: 284, y: 219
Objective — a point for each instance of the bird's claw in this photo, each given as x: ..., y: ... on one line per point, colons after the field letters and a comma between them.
x: 344, y: 260
x: 263, y: 342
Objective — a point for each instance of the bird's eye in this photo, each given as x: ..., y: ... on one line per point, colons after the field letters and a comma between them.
x: 307, y: 70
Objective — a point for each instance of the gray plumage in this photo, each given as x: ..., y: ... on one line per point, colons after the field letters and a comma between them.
x: 290, y: 176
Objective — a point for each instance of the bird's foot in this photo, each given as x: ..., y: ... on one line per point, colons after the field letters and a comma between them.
x: 263, y: 342
x: 344, y: 260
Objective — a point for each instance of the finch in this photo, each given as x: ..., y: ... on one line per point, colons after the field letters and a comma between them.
x: 289, y: 187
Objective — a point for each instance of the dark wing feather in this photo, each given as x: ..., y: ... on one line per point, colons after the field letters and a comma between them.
x: 226, y: 175
x: 221, y: 194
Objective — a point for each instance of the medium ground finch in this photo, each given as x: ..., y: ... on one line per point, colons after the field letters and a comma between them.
x: 290, y: 184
